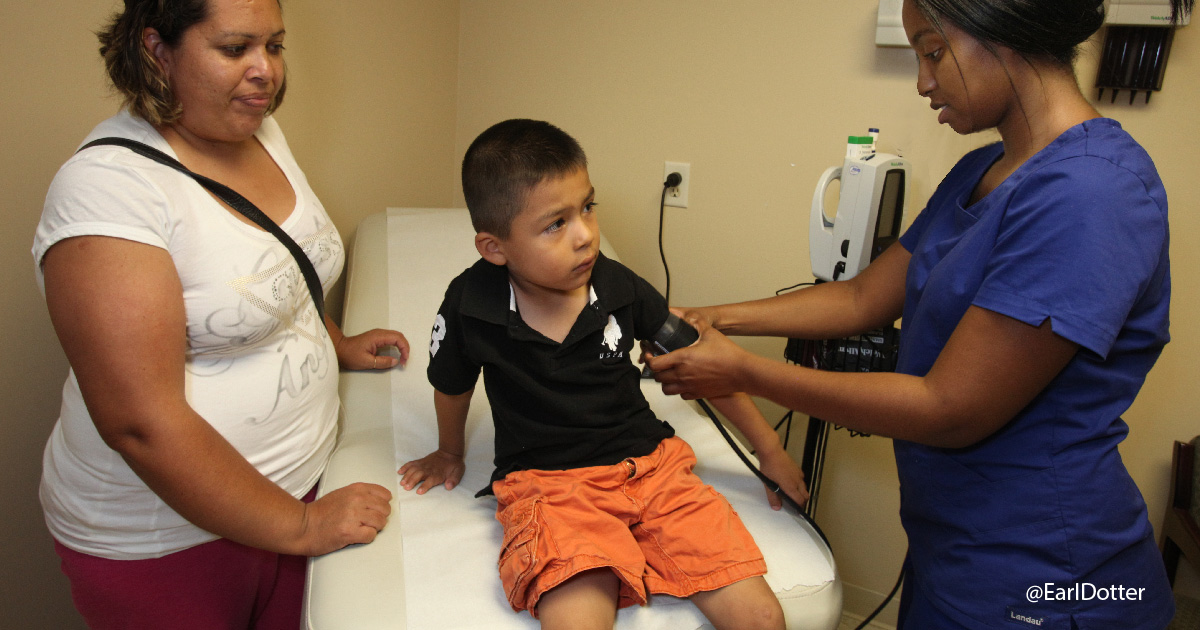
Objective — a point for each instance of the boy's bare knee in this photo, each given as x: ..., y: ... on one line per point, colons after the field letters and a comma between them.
x: 587, y: 601
x: 746, y: 605
x: 767, y: 617
x: 765, y: 614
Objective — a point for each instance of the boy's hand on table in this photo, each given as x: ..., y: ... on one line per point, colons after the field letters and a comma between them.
x: 438, y: 467
x: 782, y: 469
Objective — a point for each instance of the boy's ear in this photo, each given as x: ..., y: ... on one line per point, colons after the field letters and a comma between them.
x: 491, y: 248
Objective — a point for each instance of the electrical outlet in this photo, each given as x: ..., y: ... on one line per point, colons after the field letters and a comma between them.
x: 678, y: 196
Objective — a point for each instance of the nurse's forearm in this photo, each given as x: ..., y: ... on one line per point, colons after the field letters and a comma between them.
x: 825, y: 311
x: 881, y: 403
x: 829, y: 310
x: 991, y: 368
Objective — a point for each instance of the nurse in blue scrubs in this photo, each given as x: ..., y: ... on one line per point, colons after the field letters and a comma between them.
x: 1034, y: 289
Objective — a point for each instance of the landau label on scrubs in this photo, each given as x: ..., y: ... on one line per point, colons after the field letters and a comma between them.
x: 1025, y: 618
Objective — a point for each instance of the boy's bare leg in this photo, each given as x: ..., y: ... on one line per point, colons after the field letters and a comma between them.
x: 745, y: 605
x: 587, y: 601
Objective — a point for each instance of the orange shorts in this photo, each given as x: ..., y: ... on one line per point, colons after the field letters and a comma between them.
x: 650, y: 519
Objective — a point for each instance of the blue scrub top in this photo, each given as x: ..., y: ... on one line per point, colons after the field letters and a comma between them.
x: 1077, y: 235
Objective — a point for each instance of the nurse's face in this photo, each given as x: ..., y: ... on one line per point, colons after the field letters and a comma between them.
x: 965, y: 82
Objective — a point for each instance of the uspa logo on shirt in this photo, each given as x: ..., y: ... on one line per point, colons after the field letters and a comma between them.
x: 439, y: 333
x: 612, y: 340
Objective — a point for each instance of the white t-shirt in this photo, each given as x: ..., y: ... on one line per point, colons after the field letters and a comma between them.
x: 260, y: 366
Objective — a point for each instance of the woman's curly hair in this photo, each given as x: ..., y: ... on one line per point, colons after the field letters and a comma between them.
x: 132, y: 68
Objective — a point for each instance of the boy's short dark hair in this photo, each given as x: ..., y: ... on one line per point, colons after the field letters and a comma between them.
x: 506, y: 161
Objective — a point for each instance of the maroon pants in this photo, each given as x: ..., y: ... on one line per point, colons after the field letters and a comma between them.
x: 214, y: 586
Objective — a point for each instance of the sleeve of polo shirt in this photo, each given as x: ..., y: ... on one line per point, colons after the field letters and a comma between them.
x: 649, y: 308
x: 1080, y: 242
x: 450, y: 369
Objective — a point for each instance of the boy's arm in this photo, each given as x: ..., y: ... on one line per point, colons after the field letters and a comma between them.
x: 774, y: 462
x: 445, y: 465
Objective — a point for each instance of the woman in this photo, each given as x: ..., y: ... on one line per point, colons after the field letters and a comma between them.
x: 202, y: 404
x: 1034, y: 289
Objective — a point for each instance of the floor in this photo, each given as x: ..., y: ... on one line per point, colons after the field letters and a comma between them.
x: 850, y: 622
x: 1187, y: 614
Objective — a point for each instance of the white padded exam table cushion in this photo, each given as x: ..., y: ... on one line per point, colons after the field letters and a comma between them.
x: 434, y: 566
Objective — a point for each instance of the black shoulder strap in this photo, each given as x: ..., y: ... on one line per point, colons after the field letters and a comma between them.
x: 237, y: 202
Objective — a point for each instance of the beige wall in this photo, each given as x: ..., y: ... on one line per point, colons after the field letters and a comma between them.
x: 53, y: 94
x: 385, y: 95
x: 370, y: 104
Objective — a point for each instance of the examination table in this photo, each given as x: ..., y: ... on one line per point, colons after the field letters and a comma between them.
x: 434, y: 566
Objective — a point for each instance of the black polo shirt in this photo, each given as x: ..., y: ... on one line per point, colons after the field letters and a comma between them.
x: 555, y: 406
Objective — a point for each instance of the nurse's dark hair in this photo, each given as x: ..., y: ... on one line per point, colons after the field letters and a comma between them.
x: 132, y: 68
x: 1034, y: 29
x: 506, y: 161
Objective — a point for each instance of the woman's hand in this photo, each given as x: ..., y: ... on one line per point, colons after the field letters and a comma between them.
x: 350, y: 515
x: 362, y: 351
x: 709, y: 368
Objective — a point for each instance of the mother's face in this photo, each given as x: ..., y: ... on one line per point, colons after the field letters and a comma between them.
x: 226, y: 70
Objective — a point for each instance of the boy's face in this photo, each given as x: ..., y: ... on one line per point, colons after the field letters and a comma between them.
x: 553, y: 242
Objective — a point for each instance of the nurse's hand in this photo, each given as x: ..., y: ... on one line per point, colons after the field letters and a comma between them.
x: 438, y: 467
x: 709, y: 368
x: 698, y: 315
x: 782, y: 469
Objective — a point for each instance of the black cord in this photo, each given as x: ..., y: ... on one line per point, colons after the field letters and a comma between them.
x: 787, y: 432
x: 821, y: 358
x: 771, y: 485
x: 819, y: 434
x: 794, y: 286
x: 774, y: 487
x: 672, y: 181
x: 885, y: 601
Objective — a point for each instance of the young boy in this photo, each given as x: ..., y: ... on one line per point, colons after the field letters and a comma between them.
x: 596, y: 496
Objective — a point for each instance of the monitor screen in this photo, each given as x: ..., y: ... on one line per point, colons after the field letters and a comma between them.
x: 891, y: 211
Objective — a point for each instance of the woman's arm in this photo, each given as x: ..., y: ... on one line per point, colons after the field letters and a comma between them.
x: 117, y: 308
x: 990, y: 369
